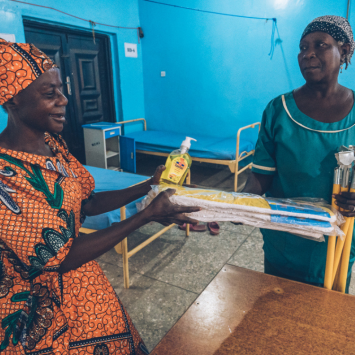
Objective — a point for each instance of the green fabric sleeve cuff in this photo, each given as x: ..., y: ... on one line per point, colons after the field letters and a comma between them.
x: 263, y: 170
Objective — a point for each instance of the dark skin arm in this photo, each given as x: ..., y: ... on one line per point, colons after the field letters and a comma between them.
x: 111, y: 200
x: 258, y: 184
x: 87, y: 247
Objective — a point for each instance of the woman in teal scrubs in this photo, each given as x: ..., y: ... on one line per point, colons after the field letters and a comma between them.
x: 300, y: 133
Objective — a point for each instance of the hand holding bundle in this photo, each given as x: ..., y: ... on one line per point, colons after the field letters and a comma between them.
x: 308, y: 218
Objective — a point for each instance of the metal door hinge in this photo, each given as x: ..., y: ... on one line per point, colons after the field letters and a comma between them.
x: 68, y: 85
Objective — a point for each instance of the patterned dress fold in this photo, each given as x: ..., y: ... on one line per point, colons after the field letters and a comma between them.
x: 42, y: 311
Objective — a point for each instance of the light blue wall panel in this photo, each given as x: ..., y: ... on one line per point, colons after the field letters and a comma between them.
x: 218, y: 72
x: 127, y: 72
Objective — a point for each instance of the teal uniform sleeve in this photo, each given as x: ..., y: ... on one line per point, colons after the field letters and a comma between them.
x: 264, y: 157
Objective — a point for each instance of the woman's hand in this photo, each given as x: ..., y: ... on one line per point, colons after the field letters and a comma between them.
x: 346, y: 200
x: 163, y: 211
x: 155, y: 179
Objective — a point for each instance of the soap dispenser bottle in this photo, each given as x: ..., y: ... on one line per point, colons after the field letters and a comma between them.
x: 178, y: 164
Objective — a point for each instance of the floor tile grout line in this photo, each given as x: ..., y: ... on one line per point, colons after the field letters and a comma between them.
x: 188, y: 307
x: 246, y: 236
x: 238, y: 248
x: 166, y: 283
x: 152, y: 278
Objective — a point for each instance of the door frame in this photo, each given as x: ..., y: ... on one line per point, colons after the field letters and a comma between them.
x: 105, y: 37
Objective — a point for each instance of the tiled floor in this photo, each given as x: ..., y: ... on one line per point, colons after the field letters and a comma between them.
x: 169, y: 274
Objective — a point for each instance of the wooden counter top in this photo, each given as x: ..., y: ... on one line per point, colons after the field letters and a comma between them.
x: 248, y: 312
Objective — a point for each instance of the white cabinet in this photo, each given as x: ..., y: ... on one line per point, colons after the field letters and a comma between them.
x: 102, y: 145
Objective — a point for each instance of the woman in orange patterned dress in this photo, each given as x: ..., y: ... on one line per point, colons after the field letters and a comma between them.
x: 54, y: 297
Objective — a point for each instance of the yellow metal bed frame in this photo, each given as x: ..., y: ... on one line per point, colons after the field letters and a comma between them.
x: 232, y: 164
x: 122, y: 247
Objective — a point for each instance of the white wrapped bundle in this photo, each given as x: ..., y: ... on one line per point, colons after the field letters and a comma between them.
x: 310, y: 218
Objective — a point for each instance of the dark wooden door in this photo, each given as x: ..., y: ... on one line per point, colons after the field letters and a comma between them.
x: 86, y: 72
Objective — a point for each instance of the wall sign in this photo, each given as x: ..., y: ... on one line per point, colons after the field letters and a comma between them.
x: 8, y: 37
x: 130, y: 50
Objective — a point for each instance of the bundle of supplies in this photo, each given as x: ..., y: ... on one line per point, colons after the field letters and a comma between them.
x: 338, y: 252
x: 308, y: 218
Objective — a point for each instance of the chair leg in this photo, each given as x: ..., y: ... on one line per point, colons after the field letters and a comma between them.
x: 236, y: 168
x: 124, y: 250
x: 118, y: 248
x: 125, y: 263
x: 188, y: 181
x: 188, y: 177
x: 235, y: 181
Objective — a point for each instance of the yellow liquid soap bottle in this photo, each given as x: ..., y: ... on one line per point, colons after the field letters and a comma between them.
x: 178, y: 164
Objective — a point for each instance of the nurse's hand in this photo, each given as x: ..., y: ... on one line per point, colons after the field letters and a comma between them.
x: 346, y: 200
x: 163, y: 211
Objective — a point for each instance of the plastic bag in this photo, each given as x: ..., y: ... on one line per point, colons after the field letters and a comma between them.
x: 311, y: 218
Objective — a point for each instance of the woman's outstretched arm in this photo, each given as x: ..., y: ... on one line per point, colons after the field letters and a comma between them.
x: 87, y: 247
x: 107, y: 201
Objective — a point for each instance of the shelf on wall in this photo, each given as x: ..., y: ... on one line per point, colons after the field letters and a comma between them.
x: 110, y: 153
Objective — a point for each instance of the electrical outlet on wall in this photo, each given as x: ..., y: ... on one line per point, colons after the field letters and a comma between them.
x: 163, y: 74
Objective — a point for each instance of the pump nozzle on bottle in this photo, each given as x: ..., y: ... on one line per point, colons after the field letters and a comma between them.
x: 186, y: 144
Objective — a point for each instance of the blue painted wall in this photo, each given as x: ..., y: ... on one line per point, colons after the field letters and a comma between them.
x: 127, y: 72
x: 218, y: 72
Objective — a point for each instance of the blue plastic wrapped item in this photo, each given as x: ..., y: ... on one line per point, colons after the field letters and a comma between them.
x: 309, y: 218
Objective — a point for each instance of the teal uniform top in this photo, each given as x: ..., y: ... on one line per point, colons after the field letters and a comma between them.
x: 300, y: 152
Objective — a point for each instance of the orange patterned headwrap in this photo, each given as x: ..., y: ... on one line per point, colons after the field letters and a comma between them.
x: 20, y: 65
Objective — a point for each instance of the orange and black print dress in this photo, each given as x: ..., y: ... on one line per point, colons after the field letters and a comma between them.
x: 42, y: 311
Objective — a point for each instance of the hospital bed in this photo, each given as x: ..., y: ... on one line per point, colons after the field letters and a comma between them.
x: 231, y: 151
x: 106, y: 180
